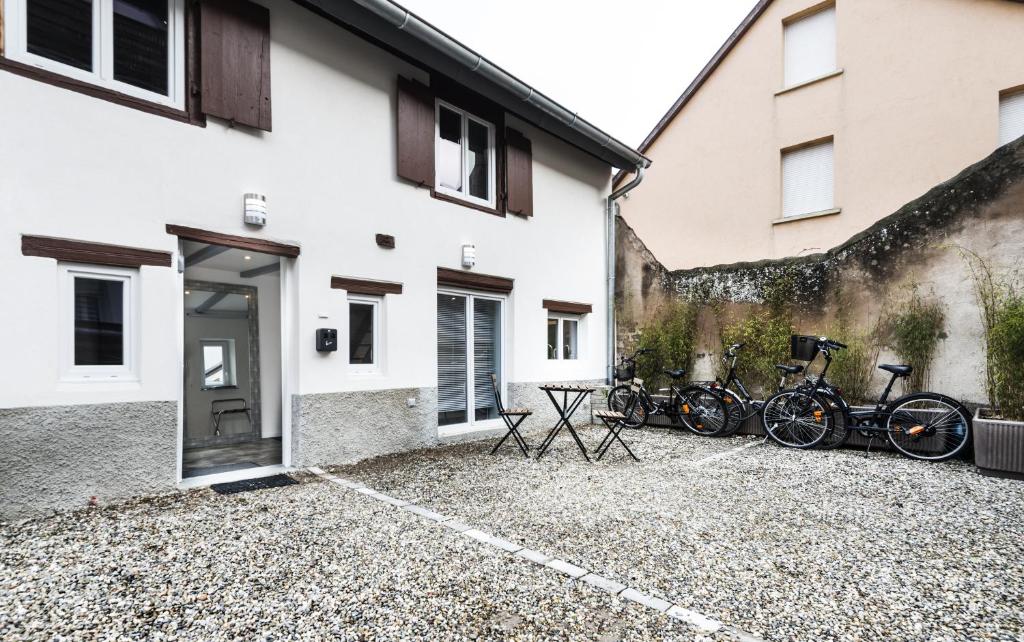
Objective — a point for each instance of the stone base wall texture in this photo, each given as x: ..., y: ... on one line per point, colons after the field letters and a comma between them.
x: 59, y: 457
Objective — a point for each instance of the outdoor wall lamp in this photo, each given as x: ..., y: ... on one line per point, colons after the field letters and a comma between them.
x: 255, y: 209
x: 468, y: 256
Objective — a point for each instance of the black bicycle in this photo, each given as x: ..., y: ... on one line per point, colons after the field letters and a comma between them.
x: 740, y: 404
x: 698, y: 408
x: 922, y: 425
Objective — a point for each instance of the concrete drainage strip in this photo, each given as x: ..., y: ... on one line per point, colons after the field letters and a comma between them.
x: 697, y: 620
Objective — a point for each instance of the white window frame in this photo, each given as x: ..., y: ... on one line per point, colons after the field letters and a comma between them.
x: 465, y: 117
x: 471, y: 424
x: 377, y: 303
x: 228, y: 366
x: 562, y: 318
x: 102, y: 75
x: 793, y: 24
x: 804, y: 149
x: 128, y: 371
x: 1010, y: 102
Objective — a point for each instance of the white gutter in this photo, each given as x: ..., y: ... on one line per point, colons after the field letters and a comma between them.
x: 406, y: 21
x: 610, y: 265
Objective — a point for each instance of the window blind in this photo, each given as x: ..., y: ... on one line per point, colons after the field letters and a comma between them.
x: 451, y: 353
x: 486, y: 351
x: 1011, y: 118
x: 808, y: 180
x: 810, y: 47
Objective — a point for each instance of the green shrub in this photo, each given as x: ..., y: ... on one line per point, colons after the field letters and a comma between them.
x: 853, y: 369
x: 914, y: 333
x: 1006, y: 354
x: 672, y: 335
x: 766, y: 336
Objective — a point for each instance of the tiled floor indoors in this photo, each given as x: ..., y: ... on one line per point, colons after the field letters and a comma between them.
x: 211, y: 460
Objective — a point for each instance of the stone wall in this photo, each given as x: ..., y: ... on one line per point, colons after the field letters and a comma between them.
x: 981, y: 210
x: 61, y: 456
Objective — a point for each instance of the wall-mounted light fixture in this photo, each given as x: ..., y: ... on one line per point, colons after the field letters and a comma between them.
x: 468, y: 256
x: 255, y: 209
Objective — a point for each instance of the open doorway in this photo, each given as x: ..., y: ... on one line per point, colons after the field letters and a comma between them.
x: 232, y: 415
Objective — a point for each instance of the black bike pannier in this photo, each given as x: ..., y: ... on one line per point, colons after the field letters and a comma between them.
x: 803, y: 348
x: 626, y: 372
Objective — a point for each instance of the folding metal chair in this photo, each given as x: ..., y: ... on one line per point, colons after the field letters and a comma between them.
x: 513, y: 417
x: 614, y: 421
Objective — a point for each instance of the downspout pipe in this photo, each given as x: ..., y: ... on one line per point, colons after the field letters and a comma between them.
x: 612, y: 210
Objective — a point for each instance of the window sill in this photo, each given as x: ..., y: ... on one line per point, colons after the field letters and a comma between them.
x: 803, y: 217
x: 812, y: 81
x: 57, y: 80
x: 473, y: 206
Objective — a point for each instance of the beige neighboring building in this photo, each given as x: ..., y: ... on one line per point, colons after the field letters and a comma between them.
x: 813, y: 121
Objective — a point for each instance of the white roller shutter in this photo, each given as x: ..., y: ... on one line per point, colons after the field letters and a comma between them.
x: 1011, y: 118
x: 808, y: 180
x: 810, y: 47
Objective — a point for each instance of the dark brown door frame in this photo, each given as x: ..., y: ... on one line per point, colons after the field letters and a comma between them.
x: 249, y: 243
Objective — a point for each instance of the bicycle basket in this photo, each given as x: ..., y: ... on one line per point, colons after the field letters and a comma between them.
x: 626, y: 372
x: 803, y: 348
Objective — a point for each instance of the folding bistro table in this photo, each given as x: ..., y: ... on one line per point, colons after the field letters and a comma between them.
x: 565, y: 409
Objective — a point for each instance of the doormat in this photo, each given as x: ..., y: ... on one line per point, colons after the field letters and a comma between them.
x: 274, y: 481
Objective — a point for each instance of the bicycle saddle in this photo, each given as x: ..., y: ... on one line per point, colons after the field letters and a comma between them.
x: 789, y: 369
x: 676, y: 374
x: 902, y: 371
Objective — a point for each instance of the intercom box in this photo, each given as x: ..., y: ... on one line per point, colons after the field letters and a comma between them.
x: 326, y: 340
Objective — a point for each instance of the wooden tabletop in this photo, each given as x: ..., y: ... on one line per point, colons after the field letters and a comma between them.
x: 566, y: 388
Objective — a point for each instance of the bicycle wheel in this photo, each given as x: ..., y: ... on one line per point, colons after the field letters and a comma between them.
x: 795, y: 419
x: 703, y: 412
x: 619, y: 399
x: 736, y: 410
x: 838, y: 431
x: 928, y: 426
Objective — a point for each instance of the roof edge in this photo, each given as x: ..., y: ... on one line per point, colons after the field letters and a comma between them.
x: 699, y: 80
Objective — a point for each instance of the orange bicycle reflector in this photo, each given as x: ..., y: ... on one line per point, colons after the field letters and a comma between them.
x: 817, y: 416
x: 915, y: 430
x: 727, y: 399
x: 686, y: 408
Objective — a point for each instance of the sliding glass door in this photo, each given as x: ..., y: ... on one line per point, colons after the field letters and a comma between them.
x: 470, y: 348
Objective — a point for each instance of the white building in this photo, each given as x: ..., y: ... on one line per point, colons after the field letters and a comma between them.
x: 433, y: 212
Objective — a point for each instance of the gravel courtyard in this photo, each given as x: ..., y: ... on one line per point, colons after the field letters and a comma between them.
x: 780, y: 544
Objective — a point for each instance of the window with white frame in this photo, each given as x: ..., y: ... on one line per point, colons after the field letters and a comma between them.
x: 97, y: 323
x: 218, y: 363
x: 364, y: 333
x: 464, y: 156
x: 135, y: 47
x: 563, y: 336
x: 1011, y: 117
x: 808, y: 179
x: 810, y: 47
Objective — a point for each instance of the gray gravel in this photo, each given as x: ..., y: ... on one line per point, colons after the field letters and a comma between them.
x: 784, y: 544
x: 309, y: 562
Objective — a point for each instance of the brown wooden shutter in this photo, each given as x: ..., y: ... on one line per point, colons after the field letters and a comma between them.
x: 235, y: 61
x: 519, y: 171
x: 415, y: 132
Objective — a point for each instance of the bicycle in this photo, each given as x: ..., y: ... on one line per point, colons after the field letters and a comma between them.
x: 698, y: 408
x: 740, y: 404
x: 922, y: 425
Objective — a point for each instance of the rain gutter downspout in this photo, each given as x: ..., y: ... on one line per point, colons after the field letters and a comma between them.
x: 612, y: 210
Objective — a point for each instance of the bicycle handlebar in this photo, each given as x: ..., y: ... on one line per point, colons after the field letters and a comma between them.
x: 825, y: 342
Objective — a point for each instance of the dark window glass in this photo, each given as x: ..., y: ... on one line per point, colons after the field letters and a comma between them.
x: 479, y: 172
x: 360, y: 333
x: 61, y: 30
x: 99, y: 322
x: 449, y: 161
x: 552, y: 338
x: 140, y: 43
